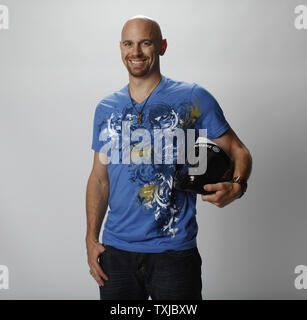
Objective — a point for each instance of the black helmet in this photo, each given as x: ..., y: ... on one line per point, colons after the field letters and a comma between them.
x: 219, y: 169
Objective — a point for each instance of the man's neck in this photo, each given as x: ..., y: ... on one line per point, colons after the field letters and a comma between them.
x: 141, y: 88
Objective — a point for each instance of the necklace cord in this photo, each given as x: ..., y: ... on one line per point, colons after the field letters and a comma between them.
x: 140, y: 112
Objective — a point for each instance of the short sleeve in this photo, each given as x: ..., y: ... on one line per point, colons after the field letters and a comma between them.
x: 211, y: 116
x: 100, y: 128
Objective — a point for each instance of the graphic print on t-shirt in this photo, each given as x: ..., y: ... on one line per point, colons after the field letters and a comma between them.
x: 154, y: 181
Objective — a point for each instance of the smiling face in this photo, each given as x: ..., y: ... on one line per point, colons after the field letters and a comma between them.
x: 140, y: 46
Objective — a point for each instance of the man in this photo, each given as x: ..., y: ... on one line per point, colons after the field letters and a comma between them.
x: 149, y: 240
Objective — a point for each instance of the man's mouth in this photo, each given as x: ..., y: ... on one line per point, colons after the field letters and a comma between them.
x: 137, y: 62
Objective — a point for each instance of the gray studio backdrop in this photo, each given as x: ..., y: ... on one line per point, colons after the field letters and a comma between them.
x: 60, y: 58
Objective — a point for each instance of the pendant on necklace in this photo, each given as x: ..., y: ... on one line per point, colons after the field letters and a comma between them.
x: 139, y: 118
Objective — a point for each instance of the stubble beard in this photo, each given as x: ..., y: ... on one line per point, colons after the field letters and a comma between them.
x: 137, y: 72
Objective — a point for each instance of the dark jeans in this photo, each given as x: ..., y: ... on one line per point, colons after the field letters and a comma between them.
x: 170, y: 275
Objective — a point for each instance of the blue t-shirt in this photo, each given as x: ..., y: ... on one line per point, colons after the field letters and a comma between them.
x: 146, y: 213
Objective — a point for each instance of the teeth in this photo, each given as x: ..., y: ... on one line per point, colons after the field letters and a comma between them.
x: 136, y: 61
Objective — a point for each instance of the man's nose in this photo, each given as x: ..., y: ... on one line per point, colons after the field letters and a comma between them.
x: 137, y: 50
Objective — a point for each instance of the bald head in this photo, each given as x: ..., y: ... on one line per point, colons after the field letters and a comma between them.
x: 141, y: 45
x: 141, y: 22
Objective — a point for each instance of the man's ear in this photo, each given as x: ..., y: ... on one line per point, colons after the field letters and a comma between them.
x: 163, y: 47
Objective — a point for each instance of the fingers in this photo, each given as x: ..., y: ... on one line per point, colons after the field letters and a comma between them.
x: 98, y: 279
x: 214, y: 187
x: 222, y: 195
x: 100, y: 271
x: 94, y: 251
x: 210, y: 197
x: 218, y: 192
x: 214, y: 199
x: 217, y: 186
x: 217, y: 197
x: 98, y: 274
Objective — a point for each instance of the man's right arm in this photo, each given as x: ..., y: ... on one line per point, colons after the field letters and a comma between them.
x: 97, y: 197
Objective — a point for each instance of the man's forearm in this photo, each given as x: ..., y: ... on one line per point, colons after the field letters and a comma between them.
x: 97, y: 197
x: 242, y: 162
